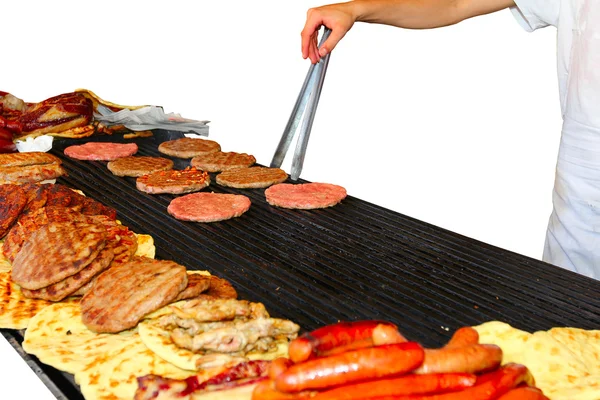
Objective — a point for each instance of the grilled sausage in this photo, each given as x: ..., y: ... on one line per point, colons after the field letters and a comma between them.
x: 462, y: 337
x: 341, y: 337
x: 524, y: 393
x: 351, y: 366
x: 468, y: 359
x: 265, y: 390
x: 405, y: 385
x: 278, y: 366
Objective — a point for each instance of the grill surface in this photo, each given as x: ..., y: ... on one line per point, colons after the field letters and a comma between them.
x: 352, y: 261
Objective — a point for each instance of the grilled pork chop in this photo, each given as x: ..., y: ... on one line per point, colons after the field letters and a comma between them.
x: 124, y: 293
x: 56, y: 251
x: 59, y: 290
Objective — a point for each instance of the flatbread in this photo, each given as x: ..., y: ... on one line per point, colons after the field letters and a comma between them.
x: 15, y: 309
x: 563, y: 361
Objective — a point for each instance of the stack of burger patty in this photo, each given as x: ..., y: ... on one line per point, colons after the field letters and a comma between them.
x: 59, y: 241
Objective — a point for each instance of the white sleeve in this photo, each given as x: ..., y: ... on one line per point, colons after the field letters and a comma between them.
x: 534, y: 14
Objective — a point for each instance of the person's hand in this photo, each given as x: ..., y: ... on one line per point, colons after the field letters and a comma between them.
x: 337, y: 17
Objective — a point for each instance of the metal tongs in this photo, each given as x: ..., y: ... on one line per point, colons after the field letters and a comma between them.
x: 305, y: 107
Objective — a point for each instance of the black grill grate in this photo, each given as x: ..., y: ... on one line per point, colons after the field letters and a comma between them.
x: 352, y: 261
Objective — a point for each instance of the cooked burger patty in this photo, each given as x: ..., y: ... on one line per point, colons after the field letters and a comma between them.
x: 12, y: 201
x: 208, y: 207
x: 188, y: 147
x: 59, y: 290
x: 305, y: 195
x: 254, y: 177
x: 124, y: 293
x: 222, y: 161
x: 173, y: 181
x: 138, y: 166
x: 101, y: 151
x: 56, y: 251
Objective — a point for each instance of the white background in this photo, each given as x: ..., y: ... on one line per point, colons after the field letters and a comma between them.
x: 458, y: 126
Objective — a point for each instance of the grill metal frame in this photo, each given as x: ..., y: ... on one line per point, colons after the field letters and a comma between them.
x: 352, y: 261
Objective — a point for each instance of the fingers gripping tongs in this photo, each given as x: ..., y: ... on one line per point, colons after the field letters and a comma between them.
x: 305, y: 107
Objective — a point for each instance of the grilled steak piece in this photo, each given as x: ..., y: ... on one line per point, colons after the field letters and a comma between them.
x: 101, y: 151
x: 305, y: 196
x: 59, y: 290
x: 56, y: 251
x: 12, y: 202
x: 188, y: 147
x: 93, y: 207
x: 254, y: 177
x: 221, y: 161
x: 208, y: 207
x: 196, y: 284
x: 124, y: 293
x: 174, y: 182
x: 37, y: 196
x: 138, y: 166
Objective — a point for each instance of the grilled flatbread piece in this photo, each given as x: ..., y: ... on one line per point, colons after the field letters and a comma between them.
x: 27, y: 159
x: 56, y: 251
x: 123, y: 294
x: 222, y: 161
x: 251, y: 178
x: 188, y: 147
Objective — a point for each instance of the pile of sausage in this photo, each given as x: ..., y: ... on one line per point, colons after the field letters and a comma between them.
x: 372, y: 360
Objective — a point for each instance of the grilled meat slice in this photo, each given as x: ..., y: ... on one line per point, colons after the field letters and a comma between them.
x: 124, y: 293
x: 56, y: 251
x: 12, y: 201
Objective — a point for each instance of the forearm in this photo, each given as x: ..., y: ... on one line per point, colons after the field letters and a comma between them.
x: 422, y: 14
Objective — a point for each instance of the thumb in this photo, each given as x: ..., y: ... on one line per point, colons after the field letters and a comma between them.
x: 334, y: 38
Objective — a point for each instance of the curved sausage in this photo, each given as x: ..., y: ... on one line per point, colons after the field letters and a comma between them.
x: 524, y: 393
x: 405, y: 385
x: 265, y: 390
x: 341, y: 337
x: 351, y: 366
x: 462, y: 337
x: 278, y: 366
x: 470, y: 359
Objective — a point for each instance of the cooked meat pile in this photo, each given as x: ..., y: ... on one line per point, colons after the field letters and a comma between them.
x: 233, y: 327
x: 61, y: 244
x: 60, y: 241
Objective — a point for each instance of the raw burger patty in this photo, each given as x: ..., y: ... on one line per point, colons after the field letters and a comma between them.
x: 255, y: 177
x: 208, y: 207
x: 101, y: 151
x: 174, y: 181
x: 222, y: 161
x: 138, y: 166
x: 124, y: 293
x: 188, y: 147
x: 305, y: 196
